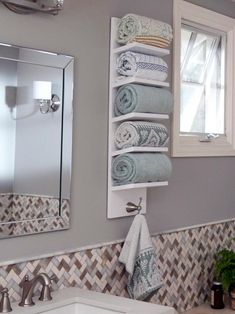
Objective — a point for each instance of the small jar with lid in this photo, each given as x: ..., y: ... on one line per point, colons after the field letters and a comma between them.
x: 217, y: 295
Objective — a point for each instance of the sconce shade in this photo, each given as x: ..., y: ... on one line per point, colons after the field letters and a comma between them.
x: 42, y: 90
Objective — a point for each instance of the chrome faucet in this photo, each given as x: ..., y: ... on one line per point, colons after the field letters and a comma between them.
x: 28, y: 289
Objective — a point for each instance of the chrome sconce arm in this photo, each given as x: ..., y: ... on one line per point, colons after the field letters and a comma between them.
x: 52, y: 105
x: 42, y: 93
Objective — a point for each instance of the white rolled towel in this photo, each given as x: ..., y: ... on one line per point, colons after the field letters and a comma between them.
x: 135, y: 64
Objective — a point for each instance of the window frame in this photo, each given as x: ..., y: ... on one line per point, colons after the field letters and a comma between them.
x: 189, y: 145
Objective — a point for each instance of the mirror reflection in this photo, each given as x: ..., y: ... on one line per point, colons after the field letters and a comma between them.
x: 35, y: 140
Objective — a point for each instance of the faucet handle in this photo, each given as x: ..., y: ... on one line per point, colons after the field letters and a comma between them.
x: 5, y: 304
x: 24, y: 281
x: 53, y: 278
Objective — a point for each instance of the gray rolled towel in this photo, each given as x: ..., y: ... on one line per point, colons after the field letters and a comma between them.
x: 141, y: 98
x: 140, y: 168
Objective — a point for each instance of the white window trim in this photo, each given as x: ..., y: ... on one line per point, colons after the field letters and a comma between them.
x: 190, y: 146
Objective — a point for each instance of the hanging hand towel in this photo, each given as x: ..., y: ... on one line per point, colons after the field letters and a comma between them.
x: 138, y: 256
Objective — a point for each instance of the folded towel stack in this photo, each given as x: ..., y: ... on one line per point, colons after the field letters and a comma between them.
x: 140, y: 98
x: 141, y: 134
x: 138, y: 256
x: 140, y: 168
x: 145, y: 30
x: 141, y: 65
x: 152, y: 41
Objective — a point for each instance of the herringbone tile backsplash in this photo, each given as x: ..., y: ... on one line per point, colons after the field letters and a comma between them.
x: 43, y: 212
x: 185, y: 259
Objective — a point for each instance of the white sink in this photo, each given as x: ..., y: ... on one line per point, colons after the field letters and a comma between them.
x: 78, y: 301
x: 78, y: 308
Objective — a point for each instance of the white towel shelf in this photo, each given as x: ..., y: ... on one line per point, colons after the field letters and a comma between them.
x: 138, y: 80
x: 140, y: 116
x: 119, y: 196
x: 139, y: 150
x: 142, y: 48
x: 139, y: 185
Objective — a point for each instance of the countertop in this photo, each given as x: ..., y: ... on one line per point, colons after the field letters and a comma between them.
x: 101, y: 301
x: 206, y: 309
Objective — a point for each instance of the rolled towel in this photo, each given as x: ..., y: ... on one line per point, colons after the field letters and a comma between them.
x: 132, y: 25
x: 141, y: 65
x: 141, y: 134
x: 152, y: 41
x: 140, y: 168
x: 140, y: 98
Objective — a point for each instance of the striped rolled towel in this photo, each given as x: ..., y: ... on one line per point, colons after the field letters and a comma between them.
x: 152, y: 41
x: 141, y: 134
x: 141, y: 98
x: 141, y: 65
x: 132, y: 26
x: 140, y: 168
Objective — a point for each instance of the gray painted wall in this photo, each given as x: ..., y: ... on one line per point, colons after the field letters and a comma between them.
x: 226, y: 7
x: 200, y: 190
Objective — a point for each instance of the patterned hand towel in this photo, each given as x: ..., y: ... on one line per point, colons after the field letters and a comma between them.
x: 140, y: 98
x: 138, y: 256
x: 140, y: 167
x: 132, y: 25
x: 141, y: 134
x: 141, y: 65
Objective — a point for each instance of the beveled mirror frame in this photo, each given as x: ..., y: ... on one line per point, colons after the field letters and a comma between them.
x: 57, y: 219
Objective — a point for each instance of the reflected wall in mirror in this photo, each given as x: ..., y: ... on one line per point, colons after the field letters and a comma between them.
x: 36, y: 91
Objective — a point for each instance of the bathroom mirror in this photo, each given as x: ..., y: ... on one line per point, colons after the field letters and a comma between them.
x: 36, y: 91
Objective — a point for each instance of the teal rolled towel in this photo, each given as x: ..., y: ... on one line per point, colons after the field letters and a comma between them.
x: 141, y: 98
x: 140, y: 168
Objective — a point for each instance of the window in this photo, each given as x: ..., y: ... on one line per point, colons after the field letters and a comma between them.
x: 202, y: 81
x: 203, y: 120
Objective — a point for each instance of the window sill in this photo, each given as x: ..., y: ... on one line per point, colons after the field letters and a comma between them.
x: 190, y: 146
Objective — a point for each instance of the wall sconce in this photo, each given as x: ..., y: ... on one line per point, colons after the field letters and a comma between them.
x: 48, y: 102
x: 32, y: 6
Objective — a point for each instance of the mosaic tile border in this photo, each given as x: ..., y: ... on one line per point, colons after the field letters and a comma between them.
x: 21, y: 206
x: 185, y: 259
x: 29, y: 214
